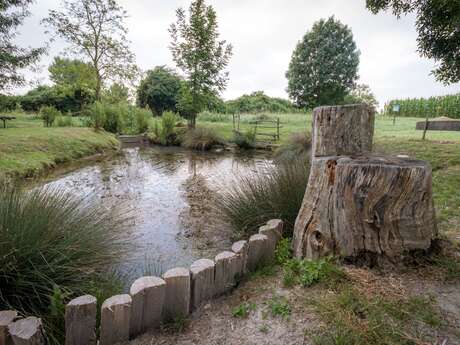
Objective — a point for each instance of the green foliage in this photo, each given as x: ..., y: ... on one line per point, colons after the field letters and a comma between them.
x: 54, y: 247
x: 268, y: 193
x: 49, y: 115
x: 159, y: 90
x: 119, y: 118
x: 297, y: 145
x: 201, y: 138
x: 96, y: 30
x: 116, y: 93
x: 438, y: 34
x: 242, y: 311
x: 63, y: 121
x: 279, y: 307
x: 72, y: 74
x: 164, y: 133
x: 350, y: 317
x: 245, y: 140
x: 257, y: 102
x: 308, y: 273
x: 283, y: 251
x: 198, y: 53
x: 421, y: 107
x: 361, y: 94
x: 12, y: 57
x: 324, y: 65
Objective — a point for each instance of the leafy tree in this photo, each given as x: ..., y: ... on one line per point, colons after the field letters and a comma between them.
x: 72, y: 74
x: 257, y: 102
x: 116, y: 93
x: 200, y: 55
x: 95, y: 29
x: 12, y: 57
x: 159, y: 90
x: 362, y: 94
x: 324, y: 65
x: 438, y: 23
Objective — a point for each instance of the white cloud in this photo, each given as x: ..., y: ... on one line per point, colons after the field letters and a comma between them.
x: 264, y: 33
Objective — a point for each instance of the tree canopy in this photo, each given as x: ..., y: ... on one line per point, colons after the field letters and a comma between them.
x: 72, y: 74
x: 438, y: 23
x: 95, y: 30
x: 324, y: 65
x: 159, y: 90
x: 12, y: 57
x: 197, y: 51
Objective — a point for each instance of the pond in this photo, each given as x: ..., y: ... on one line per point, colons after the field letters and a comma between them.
x: 167, y: 192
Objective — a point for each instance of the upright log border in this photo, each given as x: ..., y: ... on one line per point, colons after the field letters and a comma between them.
x: 152, y: 300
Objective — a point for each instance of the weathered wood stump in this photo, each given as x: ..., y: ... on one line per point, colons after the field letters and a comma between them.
x: 362, y: 205
x: 28, y: 331
x: 80, y: 321
x: 6, y: 318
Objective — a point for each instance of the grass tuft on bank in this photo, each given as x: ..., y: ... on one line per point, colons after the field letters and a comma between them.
x: 30, y: 151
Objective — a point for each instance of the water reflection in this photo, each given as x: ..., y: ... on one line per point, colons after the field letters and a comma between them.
x: 149, y: 184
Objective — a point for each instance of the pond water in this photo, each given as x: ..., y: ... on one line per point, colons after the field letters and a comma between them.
x: 150, y: 184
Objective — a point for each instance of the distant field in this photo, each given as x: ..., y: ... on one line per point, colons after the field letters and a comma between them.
x: 294, y: 123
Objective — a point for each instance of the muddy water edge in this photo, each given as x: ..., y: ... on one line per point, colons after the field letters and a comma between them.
x: 168, y: 193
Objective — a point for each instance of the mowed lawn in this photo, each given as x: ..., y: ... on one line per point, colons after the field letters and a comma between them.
x: 28, y: 149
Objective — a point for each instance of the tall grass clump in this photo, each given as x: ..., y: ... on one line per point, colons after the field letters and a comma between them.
x: 297, y: 145
x: 54, y: 247
x: 271, y: 192
x: 49, y: 114
x: 164, y: 131
x: 246, y: 140
x: 201, y: 138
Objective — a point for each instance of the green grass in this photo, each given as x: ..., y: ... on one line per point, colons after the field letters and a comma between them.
x: 279, y: 307
x: 242, y: 311
x: 349, y: 317
x: 29, y: 151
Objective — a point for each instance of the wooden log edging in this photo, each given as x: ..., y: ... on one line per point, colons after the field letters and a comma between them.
x: 151, y: 300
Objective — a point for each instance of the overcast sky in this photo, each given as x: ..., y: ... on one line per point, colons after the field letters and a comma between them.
x: 264, y: 34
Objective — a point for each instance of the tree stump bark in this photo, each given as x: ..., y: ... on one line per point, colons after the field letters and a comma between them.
x: 360, y: 205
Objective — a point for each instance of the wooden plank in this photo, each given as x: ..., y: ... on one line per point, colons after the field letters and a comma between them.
x: 450, y: 125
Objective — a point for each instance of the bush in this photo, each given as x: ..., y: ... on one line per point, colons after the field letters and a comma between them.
x: 259, y: 102
x: 201, y: 138
x: 54, y: 247
x: 64, y: 121
x: 297, y: 145
x: 245, y: 140
x: 49, y: 114
x: 164, y: 133
x: 268, y: 193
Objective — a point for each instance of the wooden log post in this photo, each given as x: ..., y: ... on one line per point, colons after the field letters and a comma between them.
x: 28, y: 331
x: 227, y: 268
x: 257, y: 252
x: 115, y: 319
x: 240, y: 248
x: 6, y: 318
x: 148, y: 296
x: 202, y: 281
x: 80, y: 321
x: 358, y: 205
x: 178, y: 291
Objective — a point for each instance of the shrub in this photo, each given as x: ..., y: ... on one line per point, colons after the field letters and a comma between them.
x: 245, y: 140
x: 201, y: 138
x: 54, y: 247
x: 297, y: 145
x: 142, y: 119
x: 164, y: 132
x: 268, y: 193
x: 49, y: 114
x: 259, y: 102
x: 64, y: 121
x: 97, y: 115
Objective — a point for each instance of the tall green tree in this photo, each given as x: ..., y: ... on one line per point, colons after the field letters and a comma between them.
x: 12, y: 57
x: 197, y: 51
x: 72, y: 74
x: 159, y: 90
x: 324, y: 65
x: 438, y: 27
x: 95, y: 30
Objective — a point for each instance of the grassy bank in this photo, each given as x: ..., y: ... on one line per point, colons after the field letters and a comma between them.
x: 29, y: 151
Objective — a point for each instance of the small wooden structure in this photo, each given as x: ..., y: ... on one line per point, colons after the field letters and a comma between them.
x: 263, y: 128
x: 359, y: 205
x: 6, y: 118
x: 439, y: 125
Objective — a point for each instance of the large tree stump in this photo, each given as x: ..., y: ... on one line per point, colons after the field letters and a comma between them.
x: 360, y: 204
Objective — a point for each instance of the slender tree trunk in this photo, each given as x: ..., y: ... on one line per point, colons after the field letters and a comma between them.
x: 98, y: 87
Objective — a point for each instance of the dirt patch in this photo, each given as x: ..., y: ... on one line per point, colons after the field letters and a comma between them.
x: 201, y: 220
x: 214, y: 323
